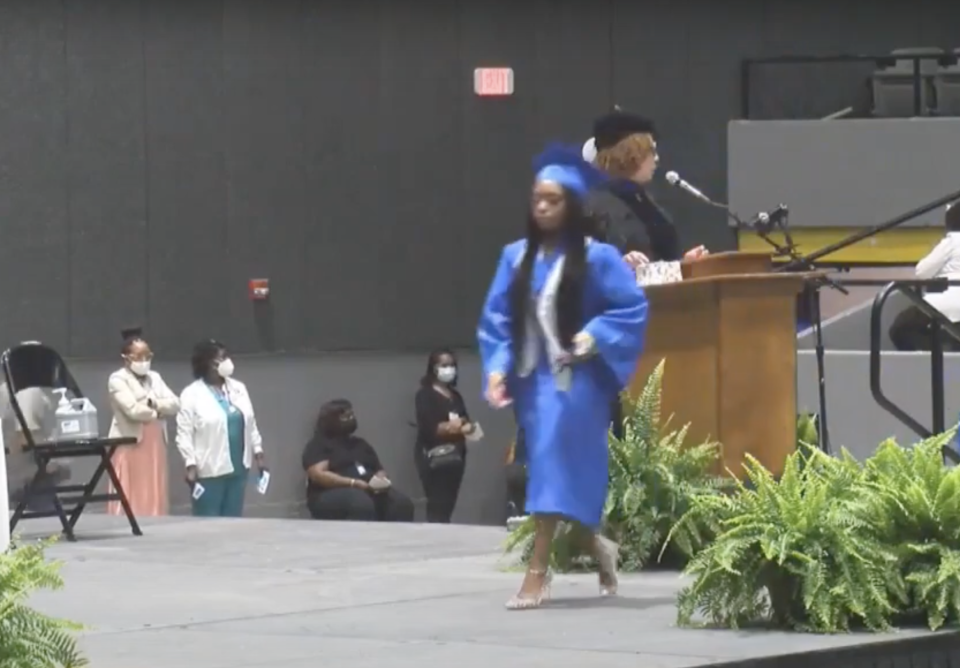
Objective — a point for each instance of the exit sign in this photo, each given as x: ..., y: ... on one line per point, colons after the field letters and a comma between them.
x: 493, y: 81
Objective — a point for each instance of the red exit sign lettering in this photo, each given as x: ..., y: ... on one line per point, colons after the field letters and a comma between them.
x: 493, y: 81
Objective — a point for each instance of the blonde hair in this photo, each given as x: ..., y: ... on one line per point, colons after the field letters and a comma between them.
x: 623, y: 159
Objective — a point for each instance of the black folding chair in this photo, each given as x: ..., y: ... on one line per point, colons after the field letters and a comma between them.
x: 34, y: 365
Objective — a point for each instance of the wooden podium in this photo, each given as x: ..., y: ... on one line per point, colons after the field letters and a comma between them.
x: 728, y: 335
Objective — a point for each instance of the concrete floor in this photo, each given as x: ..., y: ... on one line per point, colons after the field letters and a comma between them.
x: 299, y: 594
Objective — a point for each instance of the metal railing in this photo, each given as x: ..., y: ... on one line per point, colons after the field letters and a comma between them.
x: 747, y: 65
x: 940, y: 326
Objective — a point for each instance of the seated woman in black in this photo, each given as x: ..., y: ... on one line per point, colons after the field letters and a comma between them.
x: 442, y: 423
x: 346, y: 480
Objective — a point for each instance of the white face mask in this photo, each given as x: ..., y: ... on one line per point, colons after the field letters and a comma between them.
x: 446, y: 374
x: 140, y: 367
x: 225, y: 368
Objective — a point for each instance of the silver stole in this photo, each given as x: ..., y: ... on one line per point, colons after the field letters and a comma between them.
x: 542, y: 322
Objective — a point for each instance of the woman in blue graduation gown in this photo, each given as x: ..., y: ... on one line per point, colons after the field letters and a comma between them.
x: 560, y: 335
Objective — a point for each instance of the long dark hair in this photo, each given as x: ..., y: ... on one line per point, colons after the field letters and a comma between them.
x: 430, y: 375
x: 577, y: 226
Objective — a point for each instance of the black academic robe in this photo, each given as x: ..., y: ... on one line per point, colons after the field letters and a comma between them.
x: 628, y: 218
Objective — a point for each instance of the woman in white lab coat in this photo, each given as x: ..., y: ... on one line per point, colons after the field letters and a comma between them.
x: 217, y: 434
x: 910, y: 330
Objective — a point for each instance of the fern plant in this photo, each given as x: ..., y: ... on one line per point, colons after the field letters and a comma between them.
x: 807, y: 430
x: 920, y: 506
x: 653, y: 477
x: 28, y: 638
x: 807, y: 551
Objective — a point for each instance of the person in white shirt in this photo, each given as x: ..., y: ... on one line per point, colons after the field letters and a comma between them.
x: 910, y: 330
x: 217, y: 434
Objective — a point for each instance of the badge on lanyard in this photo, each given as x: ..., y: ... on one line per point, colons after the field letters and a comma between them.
x: 231, y: 408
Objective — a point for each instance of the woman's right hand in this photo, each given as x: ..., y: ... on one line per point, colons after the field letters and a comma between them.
x: 191, y: 475
x: 635, y: 259
x: 496, y: 394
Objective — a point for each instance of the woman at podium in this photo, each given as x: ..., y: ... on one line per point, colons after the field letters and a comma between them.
x: 625, y: 148
x: 560, y: 334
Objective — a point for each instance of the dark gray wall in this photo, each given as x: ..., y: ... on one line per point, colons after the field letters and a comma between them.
x: 156, y: 154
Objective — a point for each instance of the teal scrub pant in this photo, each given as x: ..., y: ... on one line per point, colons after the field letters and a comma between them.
x: 222, y: 496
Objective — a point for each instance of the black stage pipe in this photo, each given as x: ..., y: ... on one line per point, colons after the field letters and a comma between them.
x: 808, y: 260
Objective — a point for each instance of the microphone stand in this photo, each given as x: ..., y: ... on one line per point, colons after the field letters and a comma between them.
x: 812, y: 297
x: 812, y: 294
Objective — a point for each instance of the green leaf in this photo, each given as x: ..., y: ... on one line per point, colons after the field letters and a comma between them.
x: 30, y: 639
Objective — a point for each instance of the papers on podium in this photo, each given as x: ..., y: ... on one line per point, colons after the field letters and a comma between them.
x: 659, y: 273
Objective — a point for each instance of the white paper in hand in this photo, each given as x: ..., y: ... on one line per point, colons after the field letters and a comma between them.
x: 475, y: 435
x: 263, y: 482
x: 379, y: 483
x: 198, y: 491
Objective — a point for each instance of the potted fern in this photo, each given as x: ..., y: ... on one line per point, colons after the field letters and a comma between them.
x: 807, y: 551
x: 920, y: 510
x: 833, y: 544
x: 28, y: 638
x: 654, y: 476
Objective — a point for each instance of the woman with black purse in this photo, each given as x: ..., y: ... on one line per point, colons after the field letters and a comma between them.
x: 442, y: 427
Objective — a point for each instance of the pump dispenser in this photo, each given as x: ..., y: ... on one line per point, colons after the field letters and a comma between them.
x: 76, y: 418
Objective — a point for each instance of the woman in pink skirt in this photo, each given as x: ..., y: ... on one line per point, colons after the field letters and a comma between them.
x: 141, y: 401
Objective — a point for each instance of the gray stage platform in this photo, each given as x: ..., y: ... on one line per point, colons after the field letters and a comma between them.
x: 299, y: 594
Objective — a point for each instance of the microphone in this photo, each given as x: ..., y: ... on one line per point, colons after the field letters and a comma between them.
x: 761, y: 222
x: 674, y: 179
x: 765, y: 222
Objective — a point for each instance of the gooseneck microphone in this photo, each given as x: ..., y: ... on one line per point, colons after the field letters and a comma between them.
x: 674, y: 179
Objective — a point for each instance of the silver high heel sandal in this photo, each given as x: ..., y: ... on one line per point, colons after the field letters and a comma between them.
x: 528, y: 602
x: 608, y: 553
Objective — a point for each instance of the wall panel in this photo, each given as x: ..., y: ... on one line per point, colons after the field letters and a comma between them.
x: 186, y: 175
x: 181, y: 148
x: 340, y: 94
x: 418, y: 248
x: 499, y: 139
x: 106, y: 162
x: 263, y: 133
x: 34, y: 221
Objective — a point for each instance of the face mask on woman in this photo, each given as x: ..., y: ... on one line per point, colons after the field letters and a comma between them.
x: 446, y: 374
x: 225, y: 368
x: 140, y: 367
x: 348, y: 424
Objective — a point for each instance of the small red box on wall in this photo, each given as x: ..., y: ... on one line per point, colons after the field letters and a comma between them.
x: 259, y: 289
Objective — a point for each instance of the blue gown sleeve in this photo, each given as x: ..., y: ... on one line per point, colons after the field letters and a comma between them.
x: 619, y: 332
x: 493, y: 332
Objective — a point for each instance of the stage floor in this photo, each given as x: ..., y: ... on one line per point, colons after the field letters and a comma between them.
x: 299, y: 594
